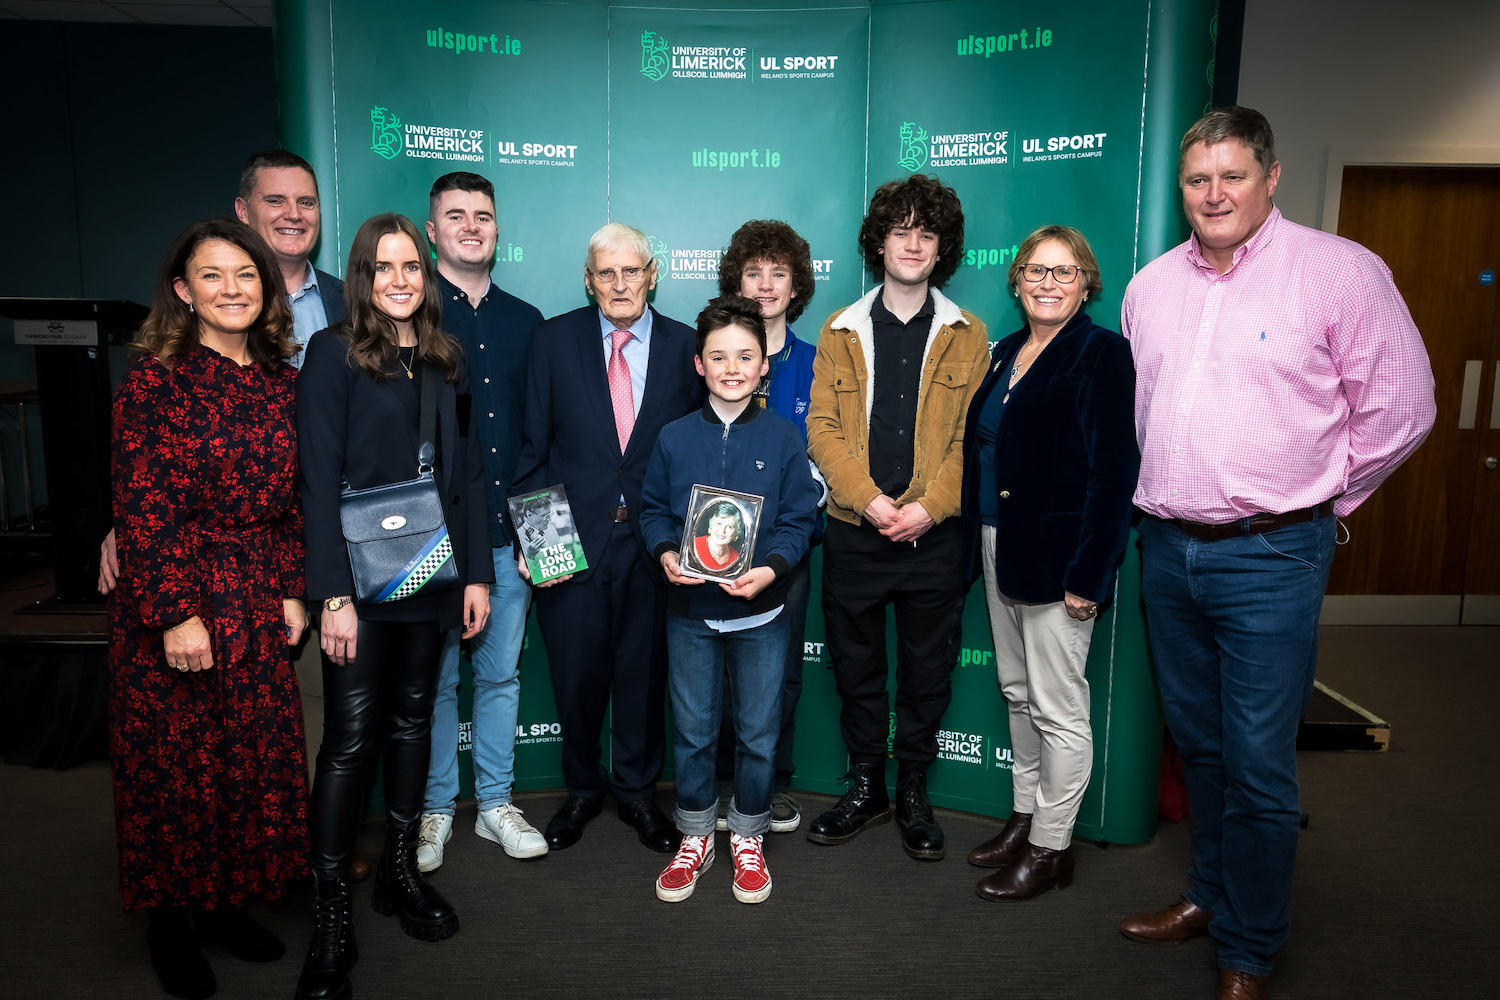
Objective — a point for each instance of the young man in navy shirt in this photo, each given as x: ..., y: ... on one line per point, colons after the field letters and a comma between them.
x: 495, y: 329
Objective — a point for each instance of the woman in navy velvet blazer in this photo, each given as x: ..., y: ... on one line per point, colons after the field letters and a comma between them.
x: 1050, y: 463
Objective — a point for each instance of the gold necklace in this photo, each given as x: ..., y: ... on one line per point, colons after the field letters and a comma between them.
x: 402, y: 360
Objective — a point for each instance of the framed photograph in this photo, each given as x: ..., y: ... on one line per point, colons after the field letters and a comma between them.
x: 718, y: 540
x: 546, y: 534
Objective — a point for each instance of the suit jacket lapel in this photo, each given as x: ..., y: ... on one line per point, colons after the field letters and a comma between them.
x: 1053, y: 355
x: 595, y: 382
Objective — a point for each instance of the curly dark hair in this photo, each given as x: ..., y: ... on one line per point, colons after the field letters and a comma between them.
x: 731, y: 310
x: 774, y: 241
x: 171, y: 329
x: 922, y: 201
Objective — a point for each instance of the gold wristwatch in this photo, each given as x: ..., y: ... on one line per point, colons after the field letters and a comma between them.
x: 334, y: 603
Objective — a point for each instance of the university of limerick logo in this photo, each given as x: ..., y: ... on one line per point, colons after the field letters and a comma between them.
x: 653, y: 55
x: 385, y: 133
x: 659, y: 254
x: 913, y: 146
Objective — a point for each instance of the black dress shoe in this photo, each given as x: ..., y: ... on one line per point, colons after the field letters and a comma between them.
x: 231, y: 928
x: 651, y: 825
x: 921, y: 837
x: 1036, y: 871
x: 180, y: 966
x: 865, y: 804
x: 566, y: 827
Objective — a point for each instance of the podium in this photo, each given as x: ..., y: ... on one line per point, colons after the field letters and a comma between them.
x: 71, y: 338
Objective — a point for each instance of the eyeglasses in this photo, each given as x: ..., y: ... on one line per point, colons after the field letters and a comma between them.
x: 607, y: 276
x: 1065, y: 274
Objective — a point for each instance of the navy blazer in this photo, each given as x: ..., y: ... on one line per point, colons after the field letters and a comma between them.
x: 1066, y: 462
x: 355, y: 428
x: 568, y: 432
x: 331, y: 291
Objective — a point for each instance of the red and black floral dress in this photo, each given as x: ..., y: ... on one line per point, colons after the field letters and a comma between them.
x: 210, y: 768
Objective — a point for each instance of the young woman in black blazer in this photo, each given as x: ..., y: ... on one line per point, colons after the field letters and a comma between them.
x: 358, y: 405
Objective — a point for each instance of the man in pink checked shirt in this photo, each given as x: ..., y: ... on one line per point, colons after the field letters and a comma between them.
x: 1279, y: 380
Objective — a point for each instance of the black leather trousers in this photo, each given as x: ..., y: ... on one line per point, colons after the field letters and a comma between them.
x: 384, y: 698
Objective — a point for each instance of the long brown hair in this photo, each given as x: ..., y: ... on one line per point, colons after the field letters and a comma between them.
x: 371, y: 333
x: 171, y: 329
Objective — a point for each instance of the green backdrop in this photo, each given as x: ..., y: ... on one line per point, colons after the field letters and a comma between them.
x: 686, y: 120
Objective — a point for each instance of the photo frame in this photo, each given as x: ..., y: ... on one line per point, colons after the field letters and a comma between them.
x: 718, y: 537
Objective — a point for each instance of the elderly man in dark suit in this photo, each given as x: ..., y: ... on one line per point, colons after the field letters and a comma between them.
x: 604, y: 380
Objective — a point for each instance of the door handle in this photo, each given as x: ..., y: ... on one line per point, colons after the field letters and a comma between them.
x: 1468, y: 403
x: 1491, y: 462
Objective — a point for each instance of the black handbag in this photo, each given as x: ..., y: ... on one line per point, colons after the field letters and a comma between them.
x: 397, y: 539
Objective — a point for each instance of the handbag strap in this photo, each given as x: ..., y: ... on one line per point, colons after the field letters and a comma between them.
x: 427, y: 429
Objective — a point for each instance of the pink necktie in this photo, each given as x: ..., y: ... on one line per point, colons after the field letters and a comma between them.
x: 619, y: 387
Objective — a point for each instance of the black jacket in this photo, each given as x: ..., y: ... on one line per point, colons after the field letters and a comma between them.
x: 355, y: 428
x: 568, y: 431
x: 1066, y: 463
x: 331, y: 291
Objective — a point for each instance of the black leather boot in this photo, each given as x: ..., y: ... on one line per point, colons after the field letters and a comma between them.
x: 231, y: 928
x: 921, y: 837
x: 332, y: 953
x: 864, y: 804
x: 401, y: 889
x: 180, y: 966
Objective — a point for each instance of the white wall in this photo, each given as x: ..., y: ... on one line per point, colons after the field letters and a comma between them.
x: 1366, y: 74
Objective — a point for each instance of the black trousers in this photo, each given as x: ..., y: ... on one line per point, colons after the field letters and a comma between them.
x: 383, y: 698
x: 607, y: 648
x: 863, y: 572
x: 798, y: 584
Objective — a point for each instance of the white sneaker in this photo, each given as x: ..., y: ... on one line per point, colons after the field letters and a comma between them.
x: 435, y: 831
x: 506, y: 825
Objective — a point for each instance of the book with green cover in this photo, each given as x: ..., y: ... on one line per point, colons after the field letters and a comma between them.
x: 546, y: 534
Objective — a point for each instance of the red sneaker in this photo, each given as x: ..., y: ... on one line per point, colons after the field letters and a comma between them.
x: 752, y: 881
x: 680, y: 878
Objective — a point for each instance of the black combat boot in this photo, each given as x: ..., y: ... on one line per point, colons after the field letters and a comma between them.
x: 921, y: 836
x: 332, y: 953
x: 401, y: 889
x: 864, y: 804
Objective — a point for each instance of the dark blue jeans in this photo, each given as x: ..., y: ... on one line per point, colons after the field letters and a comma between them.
x: 697, y: 657
x: 1234, y: 630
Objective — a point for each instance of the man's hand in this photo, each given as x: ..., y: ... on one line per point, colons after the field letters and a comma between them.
x: 671, y: 565
x: 338, y: 634
x: 109, y: 563
x: 476, y: 608
x: 882, y: 512
x: 526, y: 574
x: 1079, y: 608
x: 912, y: 522
x: 295, y: 613
x: 187, y: 646
x: 751, y: 583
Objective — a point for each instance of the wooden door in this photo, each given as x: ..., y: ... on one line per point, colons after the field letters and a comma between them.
x: 1433, y: 528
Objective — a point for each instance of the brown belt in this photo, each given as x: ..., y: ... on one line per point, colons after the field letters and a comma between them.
x: 622, y: 513
x: 1255, y: 524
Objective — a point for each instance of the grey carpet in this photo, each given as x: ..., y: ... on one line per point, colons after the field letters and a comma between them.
x: 1395, y: 893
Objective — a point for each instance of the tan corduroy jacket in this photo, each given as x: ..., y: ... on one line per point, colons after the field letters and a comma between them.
x: 843, y: 390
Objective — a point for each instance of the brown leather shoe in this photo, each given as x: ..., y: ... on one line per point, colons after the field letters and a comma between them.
x: 1237, y: 985
x: 359, y: 868
x: 1036, y: 871
x: 1174, y: 925
x: 1005, y: 846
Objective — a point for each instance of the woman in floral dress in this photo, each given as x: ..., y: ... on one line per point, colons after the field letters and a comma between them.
x: 210, y: 769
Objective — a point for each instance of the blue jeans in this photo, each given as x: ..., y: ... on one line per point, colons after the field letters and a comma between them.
x: 496, y: 654
x: 1234, y: 630
x: 696, y: 660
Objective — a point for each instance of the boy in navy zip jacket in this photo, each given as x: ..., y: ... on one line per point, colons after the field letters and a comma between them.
x: 732, y: 444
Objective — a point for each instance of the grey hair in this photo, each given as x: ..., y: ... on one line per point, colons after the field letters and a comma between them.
x: 1234, y: 122
x: 618, y: 236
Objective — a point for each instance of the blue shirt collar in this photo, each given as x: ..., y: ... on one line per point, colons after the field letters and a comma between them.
x: 641, y: 327
x: 310, y: 283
